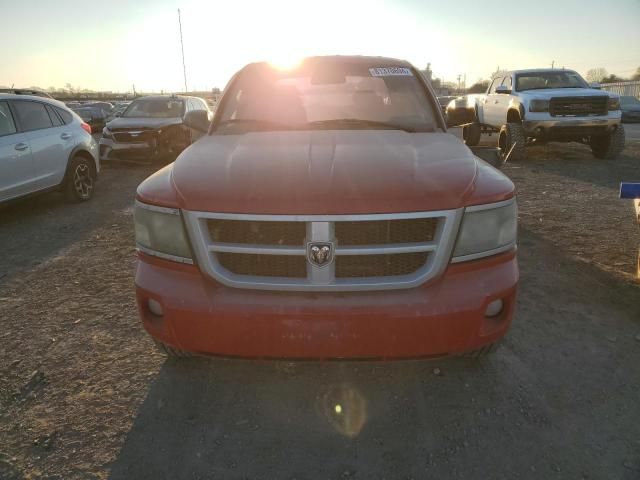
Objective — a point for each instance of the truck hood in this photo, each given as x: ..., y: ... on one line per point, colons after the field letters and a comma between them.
x: 546, y: 94
x: 150, y: 123
x: 324, y: 172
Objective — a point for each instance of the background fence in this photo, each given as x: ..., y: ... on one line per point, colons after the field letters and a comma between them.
x: 631, y: 88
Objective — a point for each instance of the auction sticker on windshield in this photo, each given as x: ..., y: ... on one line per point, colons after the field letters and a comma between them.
x: 390, y: 72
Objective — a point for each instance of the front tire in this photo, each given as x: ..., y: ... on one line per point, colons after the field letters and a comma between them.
x: 471, y: 134
x: 608, y: 147
x: 512, y: 139
x: 80, y: 181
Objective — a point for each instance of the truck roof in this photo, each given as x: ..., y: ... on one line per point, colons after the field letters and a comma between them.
x: 539, y: 70
x: 380, y: 61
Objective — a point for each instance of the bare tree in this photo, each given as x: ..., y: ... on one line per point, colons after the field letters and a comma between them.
x: 597, y: 74
x: 500, y: 72
x: 479, y: 87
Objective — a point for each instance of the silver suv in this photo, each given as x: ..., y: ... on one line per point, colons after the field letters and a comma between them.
x: 44, y: 146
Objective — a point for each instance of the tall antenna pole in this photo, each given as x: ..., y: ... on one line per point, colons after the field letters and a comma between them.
x: 184, y: 68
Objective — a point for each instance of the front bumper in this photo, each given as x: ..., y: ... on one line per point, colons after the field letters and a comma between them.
x: 135, y: 151
x: 444, y: 317
x: 631, y: 117
x: 545, y: 126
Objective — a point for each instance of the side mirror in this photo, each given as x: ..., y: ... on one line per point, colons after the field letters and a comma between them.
x: 595, y: 86
x: 197, y: 120
x: 118, y: 114
x: 502, y: 89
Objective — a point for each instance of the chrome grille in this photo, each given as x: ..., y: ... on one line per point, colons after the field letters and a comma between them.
x: 370, y: 252
x: 133, y: 136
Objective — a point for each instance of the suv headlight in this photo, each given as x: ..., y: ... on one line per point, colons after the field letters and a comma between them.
x: 614, y: 104
x: 487, y: 230
x: 539, y: 106
x: 160, y: 232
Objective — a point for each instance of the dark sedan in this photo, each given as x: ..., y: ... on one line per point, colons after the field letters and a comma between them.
x: 630, y: 107
x: 151, y: 128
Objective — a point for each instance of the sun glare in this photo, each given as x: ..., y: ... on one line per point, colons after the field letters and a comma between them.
x: 284, y: 62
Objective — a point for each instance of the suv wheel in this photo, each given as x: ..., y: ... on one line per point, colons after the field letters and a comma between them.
x: 512, y: 137
x: 471, y: 134
x: 81, y: 179
x: 608, y: 147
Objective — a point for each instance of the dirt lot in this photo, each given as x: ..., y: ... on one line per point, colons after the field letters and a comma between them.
x: 84, y: 395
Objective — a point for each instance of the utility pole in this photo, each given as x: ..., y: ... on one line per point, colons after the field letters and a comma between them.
x: 553, y: 62
x: 184, y: 68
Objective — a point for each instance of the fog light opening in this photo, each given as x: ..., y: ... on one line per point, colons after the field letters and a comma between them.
x: 155, y: 307
x: 494, y: 308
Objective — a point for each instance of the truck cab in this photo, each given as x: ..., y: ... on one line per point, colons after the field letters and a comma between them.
x: 327, y: 213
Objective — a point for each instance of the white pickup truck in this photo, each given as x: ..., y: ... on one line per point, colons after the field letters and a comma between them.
x: 541, y: 105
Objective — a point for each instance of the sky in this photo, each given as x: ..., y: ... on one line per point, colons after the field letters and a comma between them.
x: 113, y: 45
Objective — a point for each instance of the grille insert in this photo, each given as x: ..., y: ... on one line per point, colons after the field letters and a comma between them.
x: 292, y: 266
x: 257, y: 232
x: 578, y: 106
x: 379, y: 232
x: 358, y: 266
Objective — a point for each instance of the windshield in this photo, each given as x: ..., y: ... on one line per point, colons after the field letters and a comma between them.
x: 550, y: 79
x: 155, y: 108
x: 327, y: 94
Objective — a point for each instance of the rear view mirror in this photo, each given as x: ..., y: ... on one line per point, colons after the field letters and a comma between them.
x: 197, y: 120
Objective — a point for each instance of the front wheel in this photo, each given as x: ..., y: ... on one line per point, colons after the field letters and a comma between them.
x: 608, y: 147
x: 512, y: 139
x: 80, y: 180
x: 471, y: 134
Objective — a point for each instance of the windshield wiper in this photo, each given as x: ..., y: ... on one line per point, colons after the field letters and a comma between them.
x: 260, y: 123
x: 356, y: 122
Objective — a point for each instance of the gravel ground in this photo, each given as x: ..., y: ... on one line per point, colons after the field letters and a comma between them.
x: 83, y: 393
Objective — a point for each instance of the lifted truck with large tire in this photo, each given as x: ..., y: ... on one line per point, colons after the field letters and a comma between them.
x: 537, y: 106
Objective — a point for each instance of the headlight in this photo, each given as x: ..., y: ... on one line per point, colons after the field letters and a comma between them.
x: 487, y: 230
x: 614, y: 104
x: 539, y: 106
x: 159, y: 232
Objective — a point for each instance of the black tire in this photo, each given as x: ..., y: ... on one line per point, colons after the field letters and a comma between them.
x: 80, y: 179
x: 481, y: 352
x: 471, y: 134
x: 512, y: 136
x: 608, y: 147
x: 172, y: 351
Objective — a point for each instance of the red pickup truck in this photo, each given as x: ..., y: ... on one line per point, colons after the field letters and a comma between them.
x: 327, y: 213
